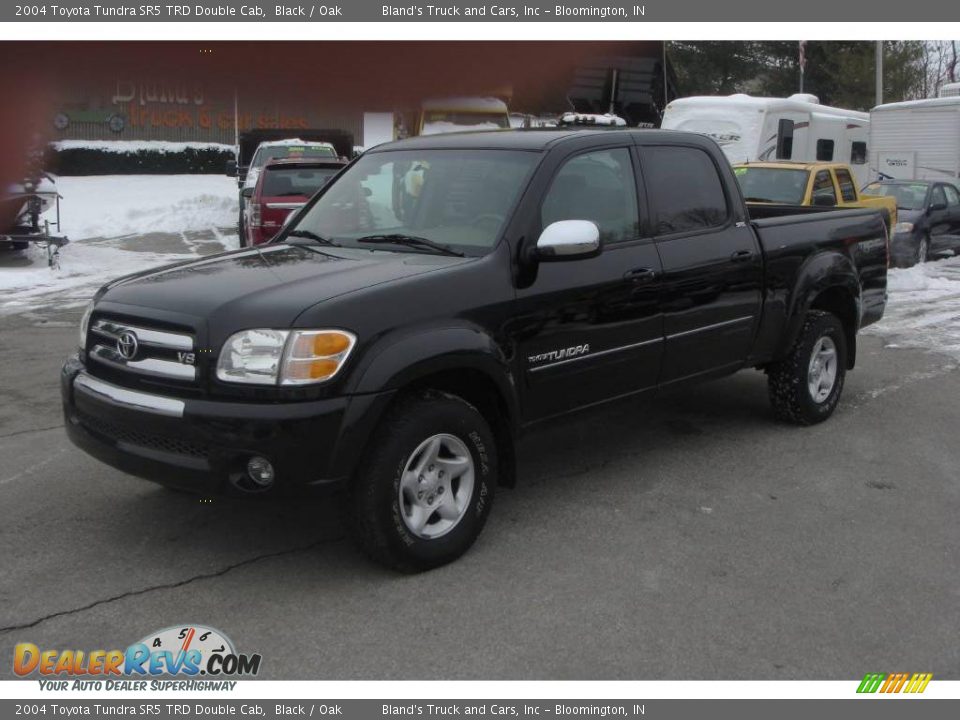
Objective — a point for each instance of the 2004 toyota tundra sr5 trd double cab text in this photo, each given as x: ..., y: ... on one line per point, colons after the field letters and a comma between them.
x: 446, y: 293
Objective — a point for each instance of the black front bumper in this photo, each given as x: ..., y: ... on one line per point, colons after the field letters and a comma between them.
x: 203, y: 445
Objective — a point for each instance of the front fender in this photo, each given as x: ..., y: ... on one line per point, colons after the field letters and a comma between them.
x: 399, y: 359
x: 404, y: 358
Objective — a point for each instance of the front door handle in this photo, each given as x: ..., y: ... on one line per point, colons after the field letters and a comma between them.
x: 640, y: 275
x: 741, y: 256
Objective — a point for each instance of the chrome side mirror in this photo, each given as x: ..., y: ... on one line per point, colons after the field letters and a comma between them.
x: 569, y: 240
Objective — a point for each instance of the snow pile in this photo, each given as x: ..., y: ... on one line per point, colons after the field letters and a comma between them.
x: 133, y: 146
x: 440, y: 127
x: 117, y: 225
x: 607, y: 119
x: 466, y: 104
x: 115, y: 205
x: 923, y: 308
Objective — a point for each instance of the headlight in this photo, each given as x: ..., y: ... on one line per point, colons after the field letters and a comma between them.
x: 903, y: 227
x: 85, y: 324
x: 284, y: 357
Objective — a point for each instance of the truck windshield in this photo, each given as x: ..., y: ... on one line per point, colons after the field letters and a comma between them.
x: 772, y: 185
x: 909, y: 196
x: 459, y: 199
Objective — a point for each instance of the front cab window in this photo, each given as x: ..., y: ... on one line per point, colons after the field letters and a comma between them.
x: 598, y: 186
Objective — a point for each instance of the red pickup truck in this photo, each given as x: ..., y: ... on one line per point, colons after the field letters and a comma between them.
x: 283, y: 187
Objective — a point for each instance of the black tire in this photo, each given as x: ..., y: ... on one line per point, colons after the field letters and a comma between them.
x: 378, y: 524
x: 787, y: 380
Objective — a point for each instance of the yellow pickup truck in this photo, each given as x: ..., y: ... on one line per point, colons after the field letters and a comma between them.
x: 819, y: 184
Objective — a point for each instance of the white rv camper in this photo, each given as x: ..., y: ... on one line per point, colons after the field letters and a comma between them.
x: 916, y: 140
x: 751, y: 129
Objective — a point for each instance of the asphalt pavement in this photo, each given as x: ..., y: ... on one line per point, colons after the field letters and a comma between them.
x: 688, y: 536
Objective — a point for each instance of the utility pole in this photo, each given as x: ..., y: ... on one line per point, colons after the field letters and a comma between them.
x: 879, y: 68
x: 236, y: 122
x: 802, y: 61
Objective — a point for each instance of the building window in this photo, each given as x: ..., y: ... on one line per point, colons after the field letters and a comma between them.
x: 858, y: 153
x: 785, y: 139
x: 825, y: 150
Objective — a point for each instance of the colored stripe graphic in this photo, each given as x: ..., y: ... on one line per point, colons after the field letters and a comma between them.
x: 870, y: 683
x: 894, y: 682
x: 918, y: 683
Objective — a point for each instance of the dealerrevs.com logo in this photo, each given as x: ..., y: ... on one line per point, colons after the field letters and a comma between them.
x: 180, y: 651
x: 888, y: 683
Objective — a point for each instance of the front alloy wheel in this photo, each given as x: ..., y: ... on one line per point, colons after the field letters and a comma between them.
x: 436, y: 486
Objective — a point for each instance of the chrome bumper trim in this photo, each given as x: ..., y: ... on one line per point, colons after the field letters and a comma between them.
x: 129, y: 399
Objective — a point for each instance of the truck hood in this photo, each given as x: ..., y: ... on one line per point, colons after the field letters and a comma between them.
x: 262, y: 287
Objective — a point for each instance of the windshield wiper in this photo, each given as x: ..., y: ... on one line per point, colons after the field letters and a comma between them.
x: 308, y: 235
x: 757, y: 199
x: 411, y: 241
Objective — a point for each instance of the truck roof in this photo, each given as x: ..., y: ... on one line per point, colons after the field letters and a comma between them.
x: 534, y: 139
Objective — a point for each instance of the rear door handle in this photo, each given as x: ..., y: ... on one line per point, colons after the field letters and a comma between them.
x: 640, y: 275
x: 741, y: 256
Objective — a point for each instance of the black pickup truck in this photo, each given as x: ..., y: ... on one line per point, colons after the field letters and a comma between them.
x: 445, y: 294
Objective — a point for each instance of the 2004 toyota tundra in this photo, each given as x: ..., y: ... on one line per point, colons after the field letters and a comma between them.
x: 446, y: 293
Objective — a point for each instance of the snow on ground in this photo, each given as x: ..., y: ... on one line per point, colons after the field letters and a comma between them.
x: 923, y: 308
x: 119, y: 224
x: 115, y: 205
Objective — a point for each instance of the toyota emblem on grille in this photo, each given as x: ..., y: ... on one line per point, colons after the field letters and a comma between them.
x: 127, y: 345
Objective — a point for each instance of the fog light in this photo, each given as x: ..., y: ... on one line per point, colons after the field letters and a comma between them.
x: 260, y: 471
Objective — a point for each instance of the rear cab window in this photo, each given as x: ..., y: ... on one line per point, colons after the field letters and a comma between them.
x: 284, y: 181
x: 679, y: 205
x: 848, y: 190
x: 938, y: 196
x: 823, y: 189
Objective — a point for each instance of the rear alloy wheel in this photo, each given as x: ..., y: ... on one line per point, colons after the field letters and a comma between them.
x: 822, y: 371
x: 425, y: 487
x: 923, y: 251
x: 805, y: 386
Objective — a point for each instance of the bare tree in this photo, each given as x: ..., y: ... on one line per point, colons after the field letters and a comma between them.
x: 939, y: 64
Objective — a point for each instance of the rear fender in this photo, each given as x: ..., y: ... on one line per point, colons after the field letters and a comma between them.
x: 827, y: 281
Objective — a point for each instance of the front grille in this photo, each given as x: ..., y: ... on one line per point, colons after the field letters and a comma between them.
x: 116, y: 433
x: 132, y: 352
